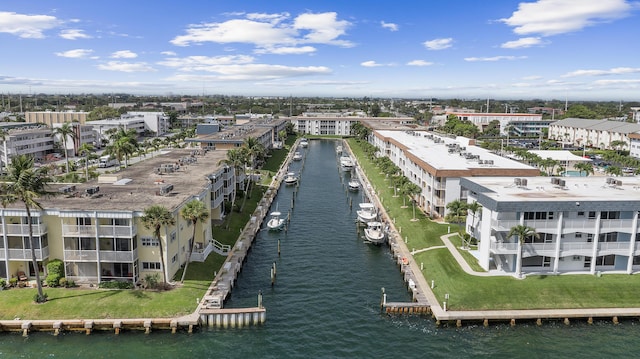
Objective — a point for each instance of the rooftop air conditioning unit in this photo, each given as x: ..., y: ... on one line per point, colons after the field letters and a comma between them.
x: 523, y: 182
x: 517, y: 181
x: 164, y: 190
x: 92, y: 190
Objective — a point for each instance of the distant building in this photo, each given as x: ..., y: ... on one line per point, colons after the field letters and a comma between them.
x: 524, y: 124
x: 32, y: 140
x: 592, y: 133
x: 82, y: 134
x: 50, y: 118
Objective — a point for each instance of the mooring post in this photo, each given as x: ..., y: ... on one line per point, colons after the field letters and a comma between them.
x: 274, y: 269
x: 278, y: 247
x: 382, y: 300
x: 259, y: 299
x: 273, y: 277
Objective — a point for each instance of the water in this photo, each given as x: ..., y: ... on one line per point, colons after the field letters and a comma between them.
x: 325, y: 302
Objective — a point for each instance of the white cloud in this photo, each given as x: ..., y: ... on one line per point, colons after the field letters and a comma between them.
x: 617, y: 82
x: 126, y: 66
x: 124, y: 54
x: 438, y: 44
x: 532, y: 77
x: 493, y: 58
x: 419, y: 63
x: 271, y: 31
x: 552, y: 17
x: 73, y: 34
x: 27, y: 26
x: 370, y: 63
x: 205, y: 63
x: 522, y: 43
x: 168, y: 53
x: 389, y: 25
x: 613, y: 71
x: 75, y: 54
x: 254, y: 72
x: 286, y: 50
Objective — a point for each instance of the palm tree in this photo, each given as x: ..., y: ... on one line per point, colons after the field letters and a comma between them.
x: 473, y: 207
x: 252, y: 150
x: 65, y: 131
x: 3, y: 138
x: 457, y: 213
x: 585, y: 167
x: 235, y: 159
x: 193, y: 211
x: 86, y: 149
x: 26, y: 184
x: 411, y: 189
x: 522, y: 232
x: 154, y: 218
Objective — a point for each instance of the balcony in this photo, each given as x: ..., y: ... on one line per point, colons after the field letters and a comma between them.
x: 80, y: 255
x: 119, y: 256
x: 23, y: 229
x: 74, y: 230
x: 117, y: 231
x: 25, y: 254
x: 616, y: 225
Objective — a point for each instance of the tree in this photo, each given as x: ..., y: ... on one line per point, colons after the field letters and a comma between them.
x: 194, y: 211
x: 585, y: 167
x: 154, y: 218
x: 618, y: 145
x: 27, y: 184
x: 65, y: 131
x: 411, y: 189
x: 613, y: 171
x: 457, y: 213
x: 522, y: 232
x: 235, y: 159
x: 473, y: 208
x: 252, y: 150
x: 86, y: 149
x: 123, y: 144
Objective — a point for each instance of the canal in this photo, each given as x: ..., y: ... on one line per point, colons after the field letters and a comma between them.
x: 325, y: 302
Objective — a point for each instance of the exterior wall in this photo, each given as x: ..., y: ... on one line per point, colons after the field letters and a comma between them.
x: 35, y: 142
x: 323, y: 126
x: 634, y: 148
x: 50, y: 118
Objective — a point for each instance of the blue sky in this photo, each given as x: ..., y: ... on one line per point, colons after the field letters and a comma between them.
x: 547, y: 49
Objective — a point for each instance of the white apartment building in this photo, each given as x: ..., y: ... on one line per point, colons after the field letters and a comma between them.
x: 36, y: 141
x: 155, y: 122
x: 592, y: 133
x: 82, y: 134
x: 584, y: 224
x: 436, y: 163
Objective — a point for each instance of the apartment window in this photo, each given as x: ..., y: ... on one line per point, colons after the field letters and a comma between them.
x: 589, y: 237
x: 610, y: 215
x: 606, y: 260
x: 538, y: 215
x: 592, y: 215
x: 174, y: 258
x: 151, y: 265
x: 608, y: 237
x: 173, y: 236
x: 149, y: 242
x: 578, y: 235
x: 587, y: 262
x: 546, y: 262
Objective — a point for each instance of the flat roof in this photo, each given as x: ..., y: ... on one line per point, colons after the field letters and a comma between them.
x: 438, y: 156
x: 541, y: 189
x: 134, y: 188
x: 559, y: 155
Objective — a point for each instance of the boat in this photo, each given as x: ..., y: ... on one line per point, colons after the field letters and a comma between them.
x: 290, y: 178
x: 346, y: 163
x: 297, y: 156
x: 354, y: 185
x: 339, y: 150
x: 275, y: 223
x: 367, y: 213
x: 304, y: 143
x: 375, y: 232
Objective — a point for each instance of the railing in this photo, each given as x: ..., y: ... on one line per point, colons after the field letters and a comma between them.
x: 80, y: 255
x: 579, y: 225
x: 117, y: 231
x: 78, y: 230
x: 23, y: 229
x: 622, y: 225
x: 439, y: 185
x: 26, y: 253
x: 216, y: 202
x: 566, y: 248
x: 119, y: 256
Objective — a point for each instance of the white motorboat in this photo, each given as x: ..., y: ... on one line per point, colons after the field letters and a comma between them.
x: 346, y: 163
x: 367, y: 212
x: 339, y: 150
x: 375, y: 232
x: 297, y: 156
x: 275, y: 223
x: 354, y: 185
x: 304, y: 143
x: 291, y: 178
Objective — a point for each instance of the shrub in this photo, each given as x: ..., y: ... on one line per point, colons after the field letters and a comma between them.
x: 3, y: 282
x: 13, y: 281
x: 62, y: 282
x: 37, y: 299
x: 114, y: 284
x: 151, y: 280
x: 55, y: 271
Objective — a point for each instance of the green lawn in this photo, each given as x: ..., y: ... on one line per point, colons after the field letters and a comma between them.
x: 468, y: 292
